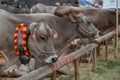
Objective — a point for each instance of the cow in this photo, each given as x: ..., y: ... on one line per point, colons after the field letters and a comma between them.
x: 41, y: 8
x: 15, y: 10
x: 39, y: 39
x: 66, y: 29
x: 102, y: 19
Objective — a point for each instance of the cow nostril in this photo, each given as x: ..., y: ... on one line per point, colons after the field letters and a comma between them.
x: 54, y: 59
x: 88, y: 22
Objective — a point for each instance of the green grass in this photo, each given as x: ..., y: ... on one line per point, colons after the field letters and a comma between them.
x: 109, y: 64
x: 112, y: 64
x: 118, y: 72
x: 104, y: 66
x: 100, y: 71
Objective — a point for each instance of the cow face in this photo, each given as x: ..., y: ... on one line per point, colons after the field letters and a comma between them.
x: 40, y: 42
x: 85, y: 25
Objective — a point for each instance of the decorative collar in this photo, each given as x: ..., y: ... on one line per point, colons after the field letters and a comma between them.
x: 20, y: 40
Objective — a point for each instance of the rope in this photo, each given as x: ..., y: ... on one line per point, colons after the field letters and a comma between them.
x: 89, y: 58
x: 87, y: 31
x: 41, y: 49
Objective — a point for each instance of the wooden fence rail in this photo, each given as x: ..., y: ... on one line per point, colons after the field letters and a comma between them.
x: 48, y: 69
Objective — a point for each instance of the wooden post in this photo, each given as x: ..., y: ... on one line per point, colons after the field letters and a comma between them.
x: 117, y: 26
x: 106, y: 50
x: 53, y: 76
x: 61, y: 78
x: 94, y: 60
x: 77, y: 65
x: 98, y: 50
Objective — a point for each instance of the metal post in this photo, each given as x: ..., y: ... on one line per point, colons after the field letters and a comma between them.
x: 77, y: 65
x: 116, y: 49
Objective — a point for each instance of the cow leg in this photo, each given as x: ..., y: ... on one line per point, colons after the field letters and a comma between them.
x: 16, y: 70
x: 12, y: 59
x: 8, y: 73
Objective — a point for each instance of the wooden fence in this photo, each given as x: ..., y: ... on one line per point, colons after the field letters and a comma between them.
x: 51, y: 68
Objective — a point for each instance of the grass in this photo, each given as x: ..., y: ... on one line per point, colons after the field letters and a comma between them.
x: 109, y: 64
x: 118, y: 72
x: 100, y: 71
x: 112, y: 64
x: 105, y: 66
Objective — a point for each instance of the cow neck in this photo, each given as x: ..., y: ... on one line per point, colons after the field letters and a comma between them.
x: 20, y: 40
x: 27, y: 25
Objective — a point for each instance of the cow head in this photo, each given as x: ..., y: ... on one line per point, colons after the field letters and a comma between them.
x: 40, y: 42
x: 85, y: 25
x: 38, y: 8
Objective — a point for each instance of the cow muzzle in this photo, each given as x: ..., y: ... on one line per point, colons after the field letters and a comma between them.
x: 51, y: 59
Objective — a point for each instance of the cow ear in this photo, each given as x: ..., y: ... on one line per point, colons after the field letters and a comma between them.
x: 33, y: 30
x: 55, y: 34
x: 33, y: 27
x: 34, y: 35
x: 73, y: 18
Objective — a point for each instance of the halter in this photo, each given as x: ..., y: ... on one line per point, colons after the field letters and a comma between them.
x: 83, y: 30
x: 20, y: 40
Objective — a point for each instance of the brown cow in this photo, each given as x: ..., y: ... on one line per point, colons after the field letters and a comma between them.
x: 102, y: 19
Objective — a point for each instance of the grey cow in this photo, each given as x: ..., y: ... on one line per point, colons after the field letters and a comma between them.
x: 41, y: 47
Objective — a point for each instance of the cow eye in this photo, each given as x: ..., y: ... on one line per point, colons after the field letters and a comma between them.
x: 42, y: 37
